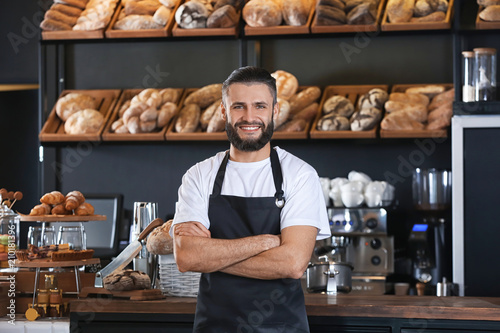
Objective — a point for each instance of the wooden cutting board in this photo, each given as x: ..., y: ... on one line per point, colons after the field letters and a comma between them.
x: 133, y: 295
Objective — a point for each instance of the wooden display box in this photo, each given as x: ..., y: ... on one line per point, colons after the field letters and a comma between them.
x: 415, y: 133
x: 158, y: 135
x: 53, y: 129
x: 353, y: 93
x: 143, y: 33
x: 281, y: 135
x: 442, y: 25
x: 202, y: 32
x: 281, y: 29
x: 199, y: 135
x: 315, y: 28
x: 485, y: 25
x: 76, y: 34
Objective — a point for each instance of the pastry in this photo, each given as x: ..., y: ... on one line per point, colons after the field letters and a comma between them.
x: 84, y: 209
x: 41, y: 209
x: 73, y: 102
x: 73, y: 199
x: 286, y: 84
x: 262, y: 13
x: 60, y: 209
x: 83, y: 122
x: 159, y: 241
x: 52, y: 198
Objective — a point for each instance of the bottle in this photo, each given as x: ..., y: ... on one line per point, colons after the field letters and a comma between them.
x: 485, y: 69
x: 468, y: 89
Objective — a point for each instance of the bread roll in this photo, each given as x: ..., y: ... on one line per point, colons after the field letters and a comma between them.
x: 166, y: 113
x: 151, y: 114
x: 133, y: 125
x: 116, y: 124
x: 135, y: 110
x: 283, y: 113
x: 84, y: 209
x: 169, y: 95
x: 127, y: 280
x: 159, y: 241
x: 192, y: 15
x: 296, y: 12
x: 304, y: 98
x: 83, y: 122
x: 374, y: 98
x: 147, y: 126
x: 72, y: 103
x: 262, y: 13
x: 425, y: 7
x: 188, y: 119
x: 205, y: 96
x: 338, y: 105
x: 409, y: 98
x: 365, y: 119
x: 286, y: 84
x: 149, y: 96
x: 223, y: 17
x: 333, y: 122
x: 52, y: 198
x: 162, y: 15
x: 400, y: 10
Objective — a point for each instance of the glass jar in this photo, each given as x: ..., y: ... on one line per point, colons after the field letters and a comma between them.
x: 35, y: 236
x: 43, y: 297
x: 468, y: 89
x: 50, y: 281
x: 9, y: 229
x: 55, y: 296
x: 485, y: 70
x: 74, y: 236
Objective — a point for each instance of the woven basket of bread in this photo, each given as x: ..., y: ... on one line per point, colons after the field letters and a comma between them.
x: 175, y: 283
x: 72, y: 255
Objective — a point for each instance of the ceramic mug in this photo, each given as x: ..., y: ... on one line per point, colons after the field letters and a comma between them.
x: 352, y: 199
x: 359, y: 176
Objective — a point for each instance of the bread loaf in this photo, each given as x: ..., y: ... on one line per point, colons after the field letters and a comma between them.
x: 333, y: 122
x: 75, y: 3
x: 400, y: 10
x: 283, y: 113
x: 205, y: 96
x: 127, y: 280
x: 308, y: 113
x: 286, y: 84
x: 162, y: 15
x: 440, y: 118
x: 409, y: 98
x: 332, y: 3
x: 83, y: 122
x: 486, y: 3
x: 365, y: 119
x: 72, y: 103
x: 296, y: 12
x: 294, y: 125
x: 148, y: 96
x: 53, y: 25
x: 136, y: 22
x: 169, y: 95
x: 208, y: 113
x: 223, y: 17
x: 374, y: 98
x: 144, y: 7
x: 415, y: 111
x: 52, y: 198
x: 338, y: 105
x: 327, y: 15
x: 61, y: 17
x: 490, y: 13
x: 188, y: 119
x: 84, y: 209
x: 364, y: 13
x: 304, y: 98
x: 400, y: 121
x: 65, y: 9
x: 425, y: 7
x: 192, y: 15
x: 440, y: 99
x: 217, y: 123
x: 428, y: 90
x: 133, y: 125
x: 159, y: 241
x: 135, y: 110
x: 147, y: 126
x: 262, y: 13
x: 433, y: 17
x: 151, y: 114
x: 166, y: 113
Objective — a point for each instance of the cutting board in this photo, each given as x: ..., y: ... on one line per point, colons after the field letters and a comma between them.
x: 133, y: 295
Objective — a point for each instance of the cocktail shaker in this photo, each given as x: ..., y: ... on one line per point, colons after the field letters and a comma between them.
x: 144, y: 213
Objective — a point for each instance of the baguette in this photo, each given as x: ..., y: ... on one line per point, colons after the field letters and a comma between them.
x: 205, y: 96
x: 308, y: 113
x: 188, y: 119
x: 304, y: 98
x: 283, y: 113
x: 409, y: 98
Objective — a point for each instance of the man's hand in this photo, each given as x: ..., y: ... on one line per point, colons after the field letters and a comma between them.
x: 195, y: 229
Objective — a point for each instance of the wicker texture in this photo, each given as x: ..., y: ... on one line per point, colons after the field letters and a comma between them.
x: 175, y: 283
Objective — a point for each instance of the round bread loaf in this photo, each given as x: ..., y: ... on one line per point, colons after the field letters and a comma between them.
x: 127, y: 280
x: 262, y: 13
x: 84, y: 121
x: 286, y: 84
x: 338, y: 105
x: 159, y: 241
x: 72, y: 103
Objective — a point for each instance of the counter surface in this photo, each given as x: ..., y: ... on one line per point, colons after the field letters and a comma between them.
x: 385, y: 306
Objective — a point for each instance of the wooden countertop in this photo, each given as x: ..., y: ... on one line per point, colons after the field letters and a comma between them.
x: 388, y: 306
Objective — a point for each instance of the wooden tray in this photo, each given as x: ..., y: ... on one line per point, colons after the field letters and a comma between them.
x: 76, y: 34
x: 133, y: 295
x: 53, y: 129
x: 484, y: 25
x: 172, y: 135
x: 446, y: 24
x: 47, y: 263
x: 415, y: 133
x: 279, y: 135
x: 61, y: 218
x: 352, y: 92
x: 181, y: 32
x: 165, y: 32
x: 281, y: 29
x: 349, y: 27
x: 108, y: 135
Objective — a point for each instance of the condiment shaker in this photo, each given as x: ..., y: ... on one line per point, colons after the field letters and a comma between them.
x: 468, y: 89
x: 485, y: 69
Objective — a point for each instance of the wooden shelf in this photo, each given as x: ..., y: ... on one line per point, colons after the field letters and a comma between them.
x: 407, y: 26
x: 47, y: 263
x: 62, y: 218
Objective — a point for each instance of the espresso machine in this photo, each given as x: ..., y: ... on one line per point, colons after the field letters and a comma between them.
x: 429, y: 242
x: 360, y: 239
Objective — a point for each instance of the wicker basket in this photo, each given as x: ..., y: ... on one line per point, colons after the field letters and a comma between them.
x: 175, y: 283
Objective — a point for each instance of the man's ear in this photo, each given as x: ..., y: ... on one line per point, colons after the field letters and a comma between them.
x: 276, y: 110
x: 223, y: 111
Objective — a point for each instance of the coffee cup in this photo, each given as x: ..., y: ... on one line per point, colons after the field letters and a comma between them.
x: 353, y: 186
x: 373, y: 199
x: 388, y: 195
x: 377, y: 187
x: 401, y: 288
x: 352, y: 199
x: 335, y: 195
x: 359, y: 176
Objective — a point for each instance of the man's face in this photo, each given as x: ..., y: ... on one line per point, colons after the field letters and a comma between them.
x: 249, y: 111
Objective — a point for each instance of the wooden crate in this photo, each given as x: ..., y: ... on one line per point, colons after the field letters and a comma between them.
x: 143, y: 33
x: 75, y: 34
x: 280, y: 135
x: 315, y: 28
x: 199, y: 135
x: 53, y: 129
x: 281, y: 29
x: 181, y: 32
x: 415, y: 133
x: 353, y: 93
x: 485, y: 25
x: 443, y: 25
x: 158, y: 135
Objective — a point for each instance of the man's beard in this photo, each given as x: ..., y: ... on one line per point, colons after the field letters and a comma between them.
x: 249, y: 145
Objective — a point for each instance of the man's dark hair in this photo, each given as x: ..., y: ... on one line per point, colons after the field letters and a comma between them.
x: 250, y: 75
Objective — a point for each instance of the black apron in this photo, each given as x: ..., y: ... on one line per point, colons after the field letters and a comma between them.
x: 234, y: 304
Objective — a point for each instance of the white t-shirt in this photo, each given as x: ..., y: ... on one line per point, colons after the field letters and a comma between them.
x: 304, y: 205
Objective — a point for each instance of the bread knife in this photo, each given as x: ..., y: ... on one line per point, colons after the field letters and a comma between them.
x: 127, y: 255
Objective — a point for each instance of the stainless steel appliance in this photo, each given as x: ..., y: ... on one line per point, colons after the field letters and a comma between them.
x: 359, y: 238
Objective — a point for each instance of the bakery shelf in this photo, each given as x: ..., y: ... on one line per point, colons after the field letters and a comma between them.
x: 415, y: 133
x: 281, y: 29
x: 48, y: 263
x: 61, y: 218
x: 353, y: 93
x: 143, y: 33
x: 485, y: 25
x: 404, y: 26
x: 127, y: 94
x: 315, y: 28
x: 53, y: 129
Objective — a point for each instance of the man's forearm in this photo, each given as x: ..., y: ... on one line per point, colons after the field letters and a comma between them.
x: 201, y: 254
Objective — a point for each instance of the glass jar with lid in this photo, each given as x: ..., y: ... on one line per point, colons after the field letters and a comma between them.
x: 485, y: 69
x: 9, y: 228
x: 468, y: 89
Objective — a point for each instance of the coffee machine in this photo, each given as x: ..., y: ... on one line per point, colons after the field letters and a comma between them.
x: 429, y: 242
x: 360, y: 238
